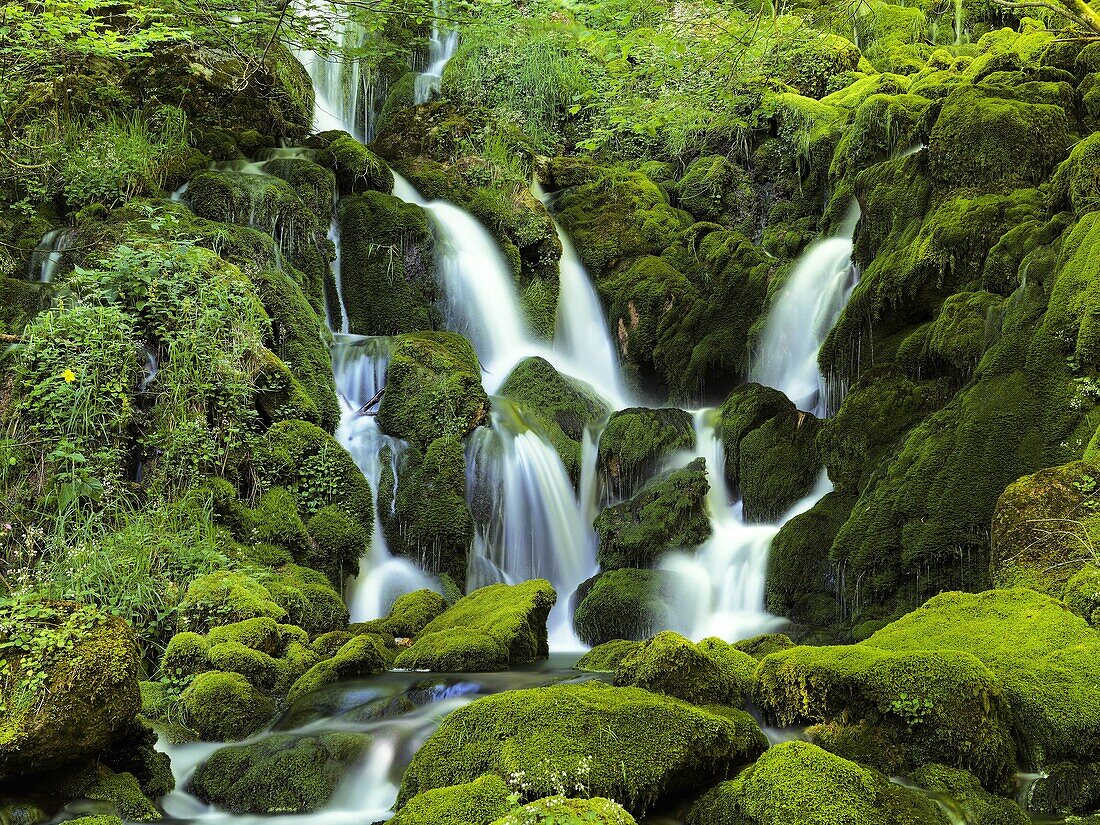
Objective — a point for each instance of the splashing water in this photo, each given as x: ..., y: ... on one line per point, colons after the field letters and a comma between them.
x: 46, y: 256
x: 441, y: 48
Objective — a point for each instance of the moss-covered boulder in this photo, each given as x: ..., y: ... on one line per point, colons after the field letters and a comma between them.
x: 363, y: 655
x: 479, y: 802
x: 621, y: 743
x: 493, y: 628
x: 68, y: 684
x: 605, y: 658
x: 710, y: 672
x: 796, y: 783
x: 637, y: 442
x: 715, y: 189
x: 760, y: 646
x: 410, y: 614
x: 220, y: 706
x: 623, y: 604
x: 225, y: 598
x: 433, y: 388
x: 280, y: 774
x: 386, y: 265
x: 560, y: 407
x: 962, y: 792
x: 1045, y: 527
x: 1082, y: 595
x: 1066, y: 788
x: 357, y: 168
x: 771, y: 455
x: 561, y: 810
x: 670, y: 513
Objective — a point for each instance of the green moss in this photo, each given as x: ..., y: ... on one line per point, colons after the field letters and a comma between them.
x: 433, y: 388
x: 636, y: 443
x: 710, y: 672
x: 357, y: 169
x: 68, y: 684
x: 225, y: 598
x: 284, y: 773
x: 386, y: 265
x: 623, y: 604
x: 963, y: 793
x: 760, y: 646
x: 1076, y: 183
x: 560, y: 810
x: 473, y: 803
x: 605, y: 657
x: 310, y: 600
x: 1066, y: 788
x: 714, y: 189
x: 796, y: 782
x: 363, y: 655
x: 1044, y: 527
x: 492, y: 628
x: 560, y: 407
x: 224, y: 706
x: 410, y: 614
x: 1082, y: 594
x: 669, y: 513
x: 621, y: 743
x: 122, y: 791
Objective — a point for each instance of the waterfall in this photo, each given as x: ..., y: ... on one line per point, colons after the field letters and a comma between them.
x: 359, y: 365
x: 531, y: 522
x: 441, y: 48
x: 802, y: 315
x: 46, y: 256
x: 338, y: 279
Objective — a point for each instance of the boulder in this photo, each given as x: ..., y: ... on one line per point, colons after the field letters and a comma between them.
x: 623, y: 604
x: 479, y: 802
x: 710, y: 672
x: 561, y: 810
x: 363, y: 655
x: 637, y: 442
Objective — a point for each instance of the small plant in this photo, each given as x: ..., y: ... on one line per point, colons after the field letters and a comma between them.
x: 913, y: 709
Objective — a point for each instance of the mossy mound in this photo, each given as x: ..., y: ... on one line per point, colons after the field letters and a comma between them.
x: 561, y: 810
x: 710, y: 672
x: 281, y: 774
x: 433, y: 388
x: 1076, y: 183
x: 226, y: 598
x: 386, y: 265
x: 1044, y: 527
x: 410, y: 614
x: 68, y: 684
x: 621, y: 743
x: 796, y: 783
x: 1082, y: 595
x: 492, y: 628
x: 964, y: 793
x: 221, y: 706
x: 123, y: 793
x: 1066, y: 788
x: 363, y: 655
x: 715, y: 189
x: 605, y: 658
x: 357, y: 168
x: 771, y: 456
x: 479, y: 802
x: 560, y: 407
x: 636, y: 443
x: 669, y: 513
x: 1044, y: 658
x: 623, y: 604
x: 760, y: 646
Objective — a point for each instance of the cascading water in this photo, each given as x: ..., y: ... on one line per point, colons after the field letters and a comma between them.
x: 441, y: 48
x: 807, y: 307
x: 359, y: 365
x: 47, y: 255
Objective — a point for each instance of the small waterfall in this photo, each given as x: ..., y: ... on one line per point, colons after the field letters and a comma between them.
x: 531, y: 522
x: 359, y: 365
x: 802, y: 315
x: 441, y: 48
x: 46, y: 256
x: 338, y: 279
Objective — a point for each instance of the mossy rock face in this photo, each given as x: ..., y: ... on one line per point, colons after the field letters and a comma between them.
x: 561, y: 810
x: 710, y: 672
x: 714, y: 189
x: 560, y: 407
x: 479, y: 802
x: 760, y: 646
x: 1082, y: 594
x: 1067, y: 788
x: 225, y: 598
x: 431, y: 522
x: 623, y: 604
x: 636, y: 443
x: 1044, y: 527
x: 622, y: 743
x: 668, y: 514
x: 386, y: 265
x: 433, y: 389
x: 281, y: 774
x: 314, y: 184
x: 1045, y: 659
x: 81, y: 694
x: 493, y: 628
x: 964, y: 793
x: 205, y: 83
x: 894, y: 710
x: 796, y: 783
x: 410, y: 614
x: 605, y: 658
x: 1076, y: 183
x: 800, y: 581
x: 222, y: 706
x: 135, y: 753
x: 771, y: 454
x: 984, y: 135
x: 357, y: 168
x: 363, y: 655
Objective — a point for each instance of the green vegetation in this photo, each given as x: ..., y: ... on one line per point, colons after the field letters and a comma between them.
x: 708, y: 673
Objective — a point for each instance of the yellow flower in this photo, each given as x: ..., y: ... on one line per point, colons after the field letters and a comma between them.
x: 69, y: 376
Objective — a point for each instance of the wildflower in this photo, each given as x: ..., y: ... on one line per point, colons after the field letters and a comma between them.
x: 69, y: 376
